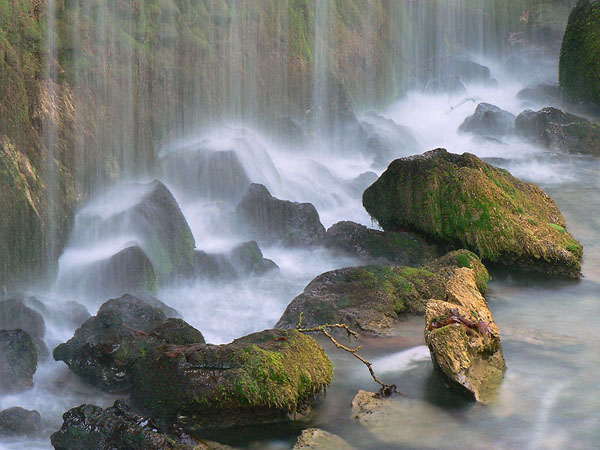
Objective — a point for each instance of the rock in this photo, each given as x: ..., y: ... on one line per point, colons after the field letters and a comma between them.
x: 361, y: 182
x: 270, y: 220
x: 19, y: 422
x: 315, y: 438
x: 469, y: 356
x: 118, y: 427
x: 367, y: 403
x: 468, y: 71
x: 402, y: 248
x: 70, y: 313
x: 579, y: 68
x: 243, y: 260
x: 290, y: 133
x: 464, y: 201
x: 555, y: 129
x: 15, y: 314
x: 450, y: 84
x: 446, y: 265
x: 105, y: 349
x: 385, y: 138
x: 213, y: 174
x: 128, y: 271
x: 370, y: 298
x: 547, y: 93
x: 489, y: 121
x: 151, y: 214
x: 18, y: 360
x: 156, y: 303
x: 260, y: 378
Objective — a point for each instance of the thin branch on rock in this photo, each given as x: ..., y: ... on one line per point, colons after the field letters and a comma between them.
x: 386, y: 390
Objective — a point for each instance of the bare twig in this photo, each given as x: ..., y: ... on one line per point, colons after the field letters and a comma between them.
x: 386, y: 389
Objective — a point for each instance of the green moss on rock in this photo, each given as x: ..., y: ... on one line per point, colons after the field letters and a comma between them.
x: 579, y: 69
x: 461, y: 200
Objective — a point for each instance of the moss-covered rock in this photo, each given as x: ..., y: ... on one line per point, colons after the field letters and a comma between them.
x: 402, y: 248
x: 579, y: 69
x: 315, y: 438
x: 463, y: 338
x: 18, y: 360
x: 461, y: 200
x: 106, y: 348
x: 262, y: 377
x: 558, y: 130
x: 371, y: 298
x: 91, y: 427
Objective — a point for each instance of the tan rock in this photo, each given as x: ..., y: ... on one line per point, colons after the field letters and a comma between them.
x: 466, y: 351
x: 315, y: 438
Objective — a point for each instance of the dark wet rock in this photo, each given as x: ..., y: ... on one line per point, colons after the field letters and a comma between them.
x: 18, y: 360
x: 263, y: 377
x: 15, y: 314
x: 466, y: 202
x: 315, y: 438
x: 155, y: 219
x: 371, y: 298
x: 385, y: 138
x: 489, y: 121
x: 402, y: 248
x: 216, y: 175
x: 579, y: 68
x: 468, y: 71
x: 105, y: 349
x: 129, y: 270
x: 156, y: 303
x: 556, y: 129
x: 548, y: 93
x: 270, y: 220
x: 19, y: 422
x: 243, y: 260
x: 467, y: 352
x: 118, y: 427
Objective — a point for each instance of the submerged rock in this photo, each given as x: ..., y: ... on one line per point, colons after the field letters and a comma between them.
x: 315, y: 438
x: 270, y: 220
x: 106, y: 348
x: 243, y: 260
x: 463, y: 338
x: 556, y: 129
x: 464, y: 201
x: 357, y: 240
x: 370, y: 298
x: 19, y: 422
x: 118, y: 427
x: 18, y: 360
x: 489, y: 121
x: 579, y: 68
x: 263, y: 377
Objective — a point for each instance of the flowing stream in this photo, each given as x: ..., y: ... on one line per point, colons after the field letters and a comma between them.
x: 550, y: 397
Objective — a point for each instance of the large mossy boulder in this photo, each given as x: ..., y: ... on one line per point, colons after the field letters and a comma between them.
x: 18, y: 360
x: 263, y: 377
x: 579, y: 68
x: 463, y: 338
x: 371, y: 298
x: 147, y: 212
x: 465, y: 202
x: 270, y: 220
x: 401, y: 248
x: 17, y: 421
x: 118, y: 427
x: 489, y: 121
x: 558, y: 130
x: 106, y: 348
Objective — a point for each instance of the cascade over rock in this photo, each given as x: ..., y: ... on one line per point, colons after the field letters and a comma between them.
x: 464, y: 201
x: 270, y: 220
